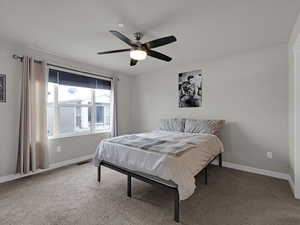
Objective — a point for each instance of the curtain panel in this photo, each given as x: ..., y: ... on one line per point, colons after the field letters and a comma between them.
x: 33, y: 138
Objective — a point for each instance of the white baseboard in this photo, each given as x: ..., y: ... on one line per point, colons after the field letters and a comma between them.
x: 249, y: 169
x: 53, y: 166
x: 269, y: 173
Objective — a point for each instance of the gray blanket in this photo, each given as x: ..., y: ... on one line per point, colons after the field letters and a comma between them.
x: 163, y: 146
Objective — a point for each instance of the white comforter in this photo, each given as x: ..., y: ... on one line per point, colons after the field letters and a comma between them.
x: 181, y: 170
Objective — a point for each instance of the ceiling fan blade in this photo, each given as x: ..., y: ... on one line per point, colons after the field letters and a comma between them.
x: 133, y: 62
x: 160, y: 42
x: 159, y: 55
x: 114, y: 51
x: 122, y: 37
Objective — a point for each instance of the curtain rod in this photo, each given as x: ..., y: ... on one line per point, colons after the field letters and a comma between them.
x: 20, y: 58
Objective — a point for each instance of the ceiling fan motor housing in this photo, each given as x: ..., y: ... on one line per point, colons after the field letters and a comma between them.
x: 138, y: 36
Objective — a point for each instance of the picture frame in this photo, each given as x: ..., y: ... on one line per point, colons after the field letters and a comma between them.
x: 2, y: 88
x: 190, y: 89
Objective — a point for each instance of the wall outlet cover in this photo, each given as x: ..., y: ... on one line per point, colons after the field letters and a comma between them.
x: 269, y: 155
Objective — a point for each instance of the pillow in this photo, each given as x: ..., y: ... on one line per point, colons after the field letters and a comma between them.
x: 203, y: 126
x: 172, y: 125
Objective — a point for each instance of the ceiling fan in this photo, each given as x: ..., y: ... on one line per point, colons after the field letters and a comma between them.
x: 138, y: 50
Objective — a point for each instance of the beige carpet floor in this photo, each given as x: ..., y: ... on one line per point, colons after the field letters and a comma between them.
x: 71, y: 196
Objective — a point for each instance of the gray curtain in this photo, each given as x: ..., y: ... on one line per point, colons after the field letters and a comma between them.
x: 114, y: 119
x: 33, y: 137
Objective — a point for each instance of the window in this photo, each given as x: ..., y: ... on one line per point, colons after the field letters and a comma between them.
x: 77, y: 104
x: 100, y: 114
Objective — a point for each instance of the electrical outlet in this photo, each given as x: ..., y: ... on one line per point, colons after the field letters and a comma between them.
x: 269, y: 155
x: 58, y: 149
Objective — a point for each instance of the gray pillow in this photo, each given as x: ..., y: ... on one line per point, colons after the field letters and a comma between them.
x: 172, y: 125
x: 203, y: 126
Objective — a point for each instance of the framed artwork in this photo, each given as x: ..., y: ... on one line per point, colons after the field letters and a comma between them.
x: 2, y: 88
x: 190, y: 89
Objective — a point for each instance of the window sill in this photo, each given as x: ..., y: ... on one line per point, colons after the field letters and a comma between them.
x: 79, y: 134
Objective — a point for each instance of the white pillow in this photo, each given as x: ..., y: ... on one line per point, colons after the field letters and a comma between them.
x: 203, y: 126
x: 172, y: 125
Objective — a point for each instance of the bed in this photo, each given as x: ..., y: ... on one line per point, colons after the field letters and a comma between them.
x: 170, y: 157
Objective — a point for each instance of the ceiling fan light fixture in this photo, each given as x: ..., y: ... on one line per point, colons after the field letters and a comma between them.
x: 138, y: 54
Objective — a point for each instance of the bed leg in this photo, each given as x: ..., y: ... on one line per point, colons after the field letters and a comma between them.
x: 220, y: 160
x: 99, y: 173
x: 205, y: 174
x: 177, y: 206
x: 129, y: 186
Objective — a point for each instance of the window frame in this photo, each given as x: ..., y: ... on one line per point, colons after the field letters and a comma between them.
x: 57, y: 106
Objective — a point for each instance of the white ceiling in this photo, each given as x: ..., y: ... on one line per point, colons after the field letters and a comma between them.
x: 205, y: 29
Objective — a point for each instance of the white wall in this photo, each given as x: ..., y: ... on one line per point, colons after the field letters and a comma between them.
x: 9, y: 112
x: 291, y: 114
x: 291, y: 45
x: 296, y: 125
x: 294, y: 105
x: 249, y: 90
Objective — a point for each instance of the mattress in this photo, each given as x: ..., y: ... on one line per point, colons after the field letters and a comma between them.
x: 180, y: 170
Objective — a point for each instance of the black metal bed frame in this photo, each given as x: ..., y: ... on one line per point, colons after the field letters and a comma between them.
x: 173, y: 188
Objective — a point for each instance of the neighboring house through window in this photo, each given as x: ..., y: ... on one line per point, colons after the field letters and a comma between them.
x: 77, y: 104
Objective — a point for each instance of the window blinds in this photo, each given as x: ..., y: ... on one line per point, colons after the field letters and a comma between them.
x: 72, y: 79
